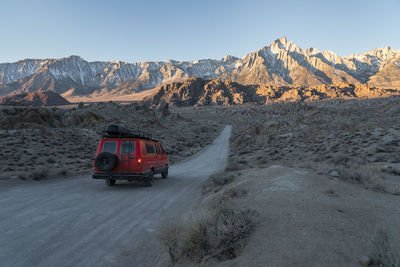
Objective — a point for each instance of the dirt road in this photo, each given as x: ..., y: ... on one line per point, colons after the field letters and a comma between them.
x: 81, y: 222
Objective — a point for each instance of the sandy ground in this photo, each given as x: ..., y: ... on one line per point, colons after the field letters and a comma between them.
x: 82, y: 222
x: 94, y: 98
x: 306, y: 219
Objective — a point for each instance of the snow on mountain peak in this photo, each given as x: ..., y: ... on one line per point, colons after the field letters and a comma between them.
x: 282, y: 62
x: 284, y: 44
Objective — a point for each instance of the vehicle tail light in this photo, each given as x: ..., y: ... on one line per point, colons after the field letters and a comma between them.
x: 139, y: 160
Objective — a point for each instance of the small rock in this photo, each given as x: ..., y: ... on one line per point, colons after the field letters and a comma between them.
x: 334, y: 173
x: 365, y: 261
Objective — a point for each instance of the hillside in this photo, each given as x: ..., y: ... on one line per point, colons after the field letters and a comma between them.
x: 36, y: 99
x: 197, y: 91
x: 281, y: 63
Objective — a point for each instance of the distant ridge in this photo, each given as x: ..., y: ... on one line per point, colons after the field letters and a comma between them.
x: 280, y: 63
x: 201, y: 92
x: 35, y: 99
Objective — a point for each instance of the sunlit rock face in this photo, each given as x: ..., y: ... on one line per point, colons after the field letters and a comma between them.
x: 280, y: 63
x: 204, y: 92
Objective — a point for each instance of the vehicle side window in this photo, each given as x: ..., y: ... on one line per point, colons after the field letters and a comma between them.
x: 127, y: 147
x: 162, y: 149
x: 158, y: 148
x: 110, y: 146
x: 150, y: 148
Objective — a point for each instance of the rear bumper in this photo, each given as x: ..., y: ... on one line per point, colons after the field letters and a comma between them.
x: 120, y: 176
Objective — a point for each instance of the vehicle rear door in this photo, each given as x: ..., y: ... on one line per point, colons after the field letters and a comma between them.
x: 127, y: 156
x: 150, y: 155
x: 160, y: 164
x: 164, y: 158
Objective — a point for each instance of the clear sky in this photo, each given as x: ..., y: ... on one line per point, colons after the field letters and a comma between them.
x: 187, y: 30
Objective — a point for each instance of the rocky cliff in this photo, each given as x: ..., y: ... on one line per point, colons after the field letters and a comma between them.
x: 280, y: 63
x: 200, y: 92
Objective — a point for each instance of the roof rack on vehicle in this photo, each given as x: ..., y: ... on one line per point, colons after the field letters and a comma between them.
x: 115, y: 131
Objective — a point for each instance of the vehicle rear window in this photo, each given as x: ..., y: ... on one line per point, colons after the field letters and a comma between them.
x: 110, y: 146
x: 150, y: 148
x: 128, y: 147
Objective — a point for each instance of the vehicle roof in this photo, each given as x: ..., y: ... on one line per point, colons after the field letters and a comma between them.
x: 128, y: 138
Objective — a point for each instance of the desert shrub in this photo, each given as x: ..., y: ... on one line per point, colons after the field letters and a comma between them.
x: 385, y: 254
x: 216, y: 235
x: 366, y: 175
x: 217, y: 180
x: 32, y: 115
x: 285, y: 108
x: 340, y: 159
x: 50, y: 160
x: 235, y: 166
x: 170, y: 236
x: 363, y: 174
x: 22, y: 175
x: 221, y: 179
x: 235, y: 192
x: 38, y: 174
x: 63, y: 171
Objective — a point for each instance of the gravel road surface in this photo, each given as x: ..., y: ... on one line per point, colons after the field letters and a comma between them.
x: 82, y: 222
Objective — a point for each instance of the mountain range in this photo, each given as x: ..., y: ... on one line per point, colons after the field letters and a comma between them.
x: 282, y: 63
x: 204, y: 92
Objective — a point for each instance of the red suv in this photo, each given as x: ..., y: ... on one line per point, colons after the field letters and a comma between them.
x: 126, y: 155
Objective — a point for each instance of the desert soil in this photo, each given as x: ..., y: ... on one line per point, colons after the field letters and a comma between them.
x: 37, y: 143
x: 323, y: 176
x: 104, y: 97
x: 358, y: 139
x: 305, y: 219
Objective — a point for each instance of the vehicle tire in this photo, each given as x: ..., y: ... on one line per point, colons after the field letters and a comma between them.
x: 164, y: 174
x: 110, y: 181
x: 149, y: 179
x: 106, y: 161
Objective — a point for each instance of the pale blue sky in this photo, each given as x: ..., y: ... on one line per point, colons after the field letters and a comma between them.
x: 187, y: 30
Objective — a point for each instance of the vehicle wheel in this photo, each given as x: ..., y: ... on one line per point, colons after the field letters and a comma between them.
x: 164, y: 174
x: 106, y: 161
x: 110, y: 182
x: 149, y: 179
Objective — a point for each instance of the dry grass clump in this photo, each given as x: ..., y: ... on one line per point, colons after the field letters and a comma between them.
x: 235, y: 192
x: 39, y: 174
x: 363, y: 174
x: 286, y: 108
x: 215, y: 235
x: 216, y: 230
x: 385, y: 253
x: 62, y: 171
x: 216, y: 181
x: 235, y: 165
x: 369, y: 176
